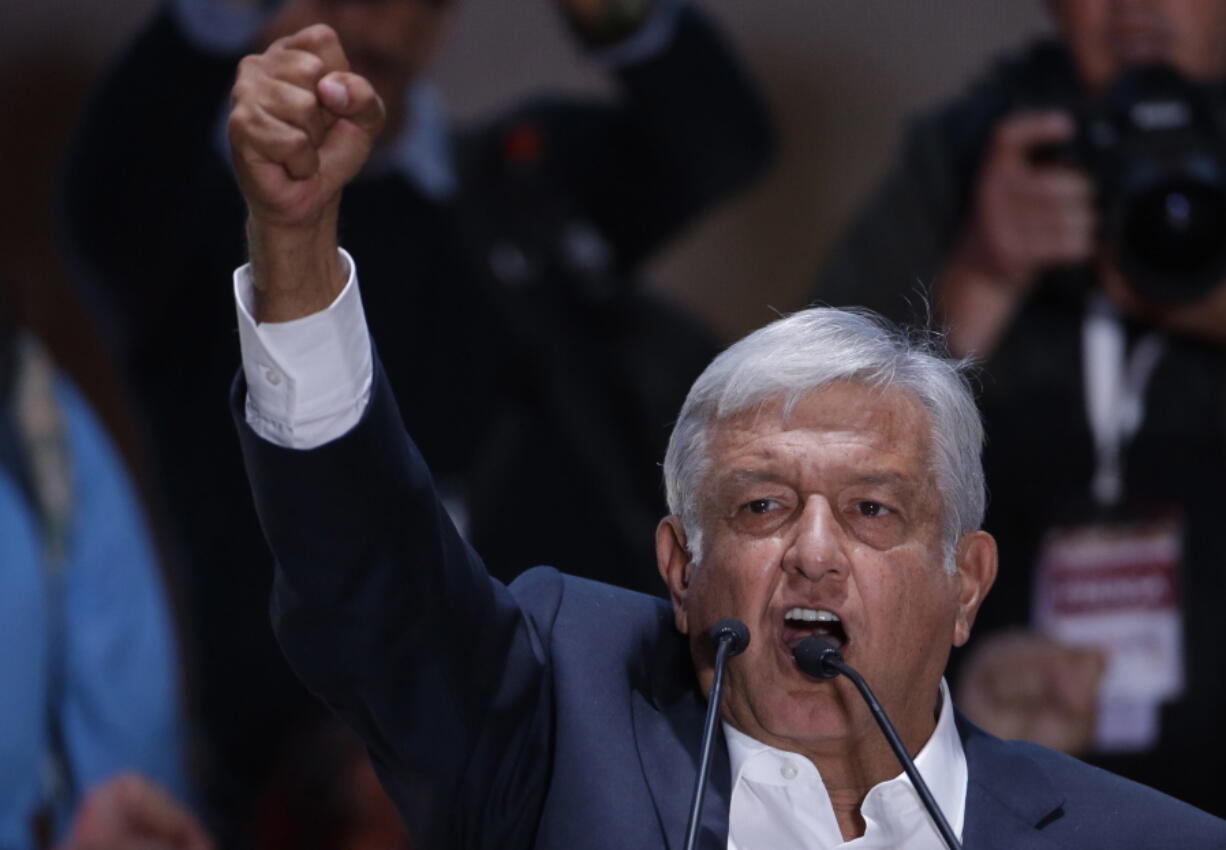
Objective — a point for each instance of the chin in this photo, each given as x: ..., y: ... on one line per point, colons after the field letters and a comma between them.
x: 809, y: 716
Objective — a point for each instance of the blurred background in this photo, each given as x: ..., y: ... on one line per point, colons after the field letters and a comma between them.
x: 841, y: 77
x: 841, y: 81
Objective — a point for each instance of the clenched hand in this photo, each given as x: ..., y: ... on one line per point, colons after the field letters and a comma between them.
x: 302, y: 126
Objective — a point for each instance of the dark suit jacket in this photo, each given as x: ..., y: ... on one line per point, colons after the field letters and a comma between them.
x: 559, y: 712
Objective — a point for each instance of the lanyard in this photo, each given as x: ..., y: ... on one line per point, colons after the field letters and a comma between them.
x: 1115, y: 384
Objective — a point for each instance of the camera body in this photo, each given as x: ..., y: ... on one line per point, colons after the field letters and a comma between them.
x: 1157, y: 156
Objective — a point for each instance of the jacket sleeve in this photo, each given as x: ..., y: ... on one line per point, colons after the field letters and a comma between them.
x: 689, y: 130
x: 388, y: 615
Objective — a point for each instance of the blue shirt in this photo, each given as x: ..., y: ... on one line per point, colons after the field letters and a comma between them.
x: 88, y: 655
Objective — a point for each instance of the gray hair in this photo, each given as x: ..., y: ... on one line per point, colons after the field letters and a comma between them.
x: 793, y: 356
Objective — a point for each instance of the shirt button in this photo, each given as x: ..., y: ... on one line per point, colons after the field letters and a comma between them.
x: 272, y: 376
x: 788, y: 770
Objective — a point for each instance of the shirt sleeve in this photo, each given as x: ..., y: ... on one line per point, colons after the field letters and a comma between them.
x: 308, y: 380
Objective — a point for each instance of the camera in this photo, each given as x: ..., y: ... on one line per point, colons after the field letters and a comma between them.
x: 1153, y: 147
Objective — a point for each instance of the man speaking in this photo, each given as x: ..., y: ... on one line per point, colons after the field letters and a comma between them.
x: 823, y: 478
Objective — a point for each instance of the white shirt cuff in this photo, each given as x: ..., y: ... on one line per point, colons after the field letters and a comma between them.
x: 308, y: 380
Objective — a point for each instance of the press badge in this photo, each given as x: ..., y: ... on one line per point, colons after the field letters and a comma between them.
x: 1116, y: 586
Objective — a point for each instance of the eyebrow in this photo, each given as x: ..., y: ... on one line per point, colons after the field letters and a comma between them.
x: 751, y: 476
x: 756, y: 476
x: 884, y: 478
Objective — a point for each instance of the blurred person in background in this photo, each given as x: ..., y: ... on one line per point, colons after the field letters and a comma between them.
x: 324, y: 795
x: 500, y: 271
x: 1065, y: 219
x: 129, y: 812
x: 89, y: 663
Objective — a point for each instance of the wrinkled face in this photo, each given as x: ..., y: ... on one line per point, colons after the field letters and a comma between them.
x: 833, y: 514
x: 390, y: 42
x: 1107, y: 35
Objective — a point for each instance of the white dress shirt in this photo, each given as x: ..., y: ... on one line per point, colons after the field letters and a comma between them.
x: 308, y: 382
x: 779, y: 801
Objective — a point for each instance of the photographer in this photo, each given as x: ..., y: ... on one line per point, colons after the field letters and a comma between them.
x: 1109, y: 642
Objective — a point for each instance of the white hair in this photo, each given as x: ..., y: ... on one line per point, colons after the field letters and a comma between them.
x: 796, y: 355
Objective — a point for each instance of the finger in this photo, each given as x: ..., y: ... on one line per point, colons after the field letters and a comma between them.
x: 151, y: 812
x: 298, y: 67
x: 1027, y: 684
x: 1062, y: 185
x: 353, y: 97
x: 258, y: 137
x: 1018, y: 136
x: 1064, y: 236
x: 297, y: 107
x: 1077, y: 677
x: 1075, y: 243
x: 129, y: 811
x: 320, y: 40
x: 353, y: 100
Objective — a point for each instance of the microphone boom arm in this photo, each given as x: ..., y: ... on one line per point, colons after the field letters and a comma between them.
x: 731, y: 637
x: 819, y: 658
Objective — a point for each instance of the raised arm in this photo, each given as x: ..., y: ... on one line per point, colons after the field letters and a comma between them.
x: 301, y: 128
x: 381, y: 608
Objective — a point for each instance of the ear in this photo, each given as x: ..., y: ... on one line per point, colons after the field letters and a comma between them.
x: 674, y: 563
x: 976, y: 570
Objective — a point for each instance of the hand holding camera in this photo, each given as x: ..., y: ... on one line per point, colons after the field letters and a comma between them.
x: 1135, y: 181
x: 1027, y: 217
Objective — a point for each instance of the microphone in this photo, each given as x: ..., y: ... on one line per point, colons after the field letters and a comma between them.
x: 819, y: 658
x: 730, y: 637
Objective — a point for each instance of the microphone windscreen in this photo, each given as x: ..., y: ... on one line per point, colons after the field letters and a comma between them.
x: 813, y: 654
x: 734, y: 631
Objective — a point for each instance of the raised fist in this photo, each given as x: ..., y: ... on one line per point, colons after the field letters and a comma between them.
x: 301, y: 127
x: 1021, y: 685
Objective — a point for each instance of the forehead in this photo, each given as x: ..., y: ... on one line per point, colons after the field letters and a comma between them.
x: 844, y: 425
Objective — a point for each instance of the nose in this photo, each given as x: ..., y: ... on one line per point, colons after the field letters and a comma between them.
x: 818, y: 549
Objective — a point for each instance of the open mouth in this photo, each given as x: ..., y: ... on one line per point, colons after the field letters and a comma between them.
x: 800, y: 623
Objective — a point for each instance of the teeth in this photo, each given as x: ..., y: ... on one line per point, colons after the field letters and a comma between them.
x: 812, y: 615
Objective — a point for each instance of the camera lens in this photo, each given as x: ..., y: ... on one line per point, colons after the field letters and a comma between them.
x: 1171, y: 239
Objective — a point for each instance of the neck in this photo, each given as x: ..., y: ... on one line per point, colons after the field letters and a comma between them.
x: 851, y: 767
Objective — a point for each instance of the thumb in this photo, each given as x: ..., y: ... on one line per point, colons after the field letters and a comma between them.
x: 1024, y: 132
x: 353, y: 100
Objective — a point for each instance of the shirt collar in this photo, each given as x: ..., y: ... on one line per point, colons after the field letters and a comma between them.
x: 941, y: 761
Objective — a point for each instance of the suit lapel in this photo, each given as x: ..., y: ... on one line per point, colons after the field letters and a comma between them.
x: 668, y: 733
x: 1008, y: 797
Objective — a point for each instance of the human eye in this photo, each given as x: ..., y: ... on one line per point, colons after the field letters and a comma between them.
x: 870, y: 508
x: 761, y: 506
x: 760, y: 514
x: 878, y: 523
